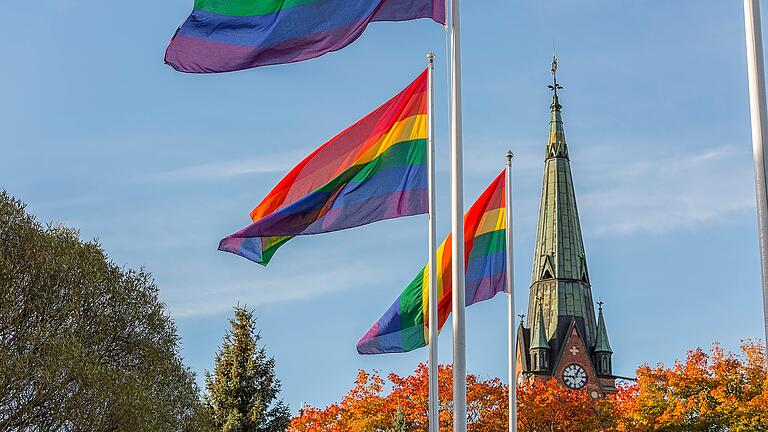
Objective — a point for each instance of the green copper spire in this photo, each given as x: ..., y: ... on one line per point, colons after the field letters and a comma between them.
x: 556, y: 145
x: 559, y: 275
x: 539, y: 339
x: 602, y: 344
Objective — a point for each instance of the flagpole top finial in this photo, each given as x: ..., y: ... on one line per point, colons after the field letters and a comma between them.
x: 431, y: 57
x: 510, y: 155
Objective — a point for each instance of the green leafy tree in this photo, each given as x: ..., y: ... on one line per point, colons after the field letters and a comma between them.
x: 243, y: 389
x: 84, y: 344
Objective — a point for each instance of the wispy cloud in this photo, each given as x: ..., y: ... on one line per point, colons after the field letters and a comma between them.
x: 300, y: 287
x: 666, y: 192
x: 212, y: 171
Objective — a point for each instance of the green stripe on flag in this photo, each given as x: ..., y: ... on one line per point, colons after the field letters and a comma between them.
x: 412, y: 313
x: 247, y: 7
x: 489, y: 243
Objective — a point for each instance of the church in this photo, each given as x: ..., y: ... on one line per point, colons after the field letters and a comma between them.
x: 562, y: 338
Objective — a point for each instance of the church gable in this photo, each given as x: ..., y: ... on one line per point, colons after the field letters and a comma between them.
x: 573, y: 366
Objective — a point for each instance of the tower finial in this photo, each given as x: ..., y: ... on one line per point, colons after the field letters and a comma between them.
x: 554, y: 86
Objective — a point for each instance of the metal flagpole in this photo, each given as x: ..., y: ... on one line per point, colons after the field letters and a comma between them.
x: 457, y: 230
x: 434, y: 417
x: 759, y: 123
x: 511, y: 339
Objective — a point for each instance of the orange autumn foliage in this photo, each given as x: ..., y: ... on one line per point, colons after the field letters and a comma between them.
x: 709, y: 391
x: 714, y: 391
x: 552, y: 407
x: 367, y: 408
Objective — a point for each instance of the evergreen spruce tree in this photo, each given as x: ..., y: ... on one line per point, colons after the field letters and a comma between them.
x: 400, y: 422
x: 243, y: 389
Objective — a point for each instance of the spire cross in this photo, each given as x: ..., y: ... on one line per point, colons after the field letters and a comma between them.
x: 522, y: 317
x: 600, y: 304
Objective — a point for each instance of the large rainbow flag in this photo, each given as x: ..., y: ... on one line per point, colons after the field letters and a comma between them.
x: 230, y: 35
x: 374, y: 170
x: 405, y: 325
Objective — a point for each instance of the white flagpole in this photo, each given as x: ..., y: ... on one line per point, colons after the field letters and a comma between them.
x: 511, y: 339
x: 434, y: 417
x: 457, y: 230
x: 757, y: 105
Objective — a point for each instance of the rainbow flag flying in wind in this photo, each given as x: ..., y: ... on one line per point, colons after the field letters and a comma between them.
x: 230, y: 35
x: 374, y: 170
x: 405, y: 325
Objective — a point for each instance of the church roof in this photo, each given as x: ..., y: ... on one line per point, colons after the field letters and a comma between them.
x: 602, y: 344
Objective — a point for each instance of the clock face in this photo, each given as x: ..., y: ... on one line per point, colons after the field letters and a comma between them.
x: 574, y: 376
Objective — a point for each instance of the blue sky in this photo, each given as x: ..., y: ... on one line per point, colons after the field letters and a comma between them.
x: 98, y: 134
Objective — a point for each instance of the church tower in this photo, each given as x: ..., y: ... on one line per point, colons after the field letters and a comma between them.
x: 562, y: 338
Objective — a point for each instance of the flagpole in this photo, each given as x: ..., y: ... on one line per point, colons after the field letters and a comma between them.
x: 757, y: 105
x: 457, y: 230
x: 434, y: 417
x: 511, y: 339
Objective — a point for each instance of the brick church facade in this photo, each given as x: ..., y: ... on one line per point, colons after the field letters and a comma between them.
x: 562, y: 338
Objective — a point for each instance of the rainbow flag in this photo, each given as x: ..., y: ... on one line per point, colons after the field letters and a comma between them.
x: 374, y: 170
x: 230, y: 35
x: 405, y: 325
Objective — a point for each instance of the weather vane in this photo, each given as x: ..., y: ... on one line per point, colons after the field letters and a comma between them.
x: 555, y: 86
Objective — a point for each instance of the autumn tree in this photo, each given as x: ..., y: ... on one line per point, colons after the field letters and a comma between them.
x: 709, y: 391
x: 713, y: 391
x: 243, y: 388
x: 550, y: 406
x: 85, y: 345
x: 368, y: 408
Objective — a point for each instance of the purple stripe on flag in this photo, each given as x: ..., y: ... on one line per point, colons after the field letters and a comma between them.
x: 209, y: 43
x: 486, y: 288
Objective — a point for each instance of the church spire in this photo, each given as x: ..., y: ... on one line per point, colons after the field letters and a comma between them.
x: 556, y: 145
x: 602, y: 351
x: 602, y: 344
x: 540, y: 351
x: 562, y: 338
x: 559, y: 247
x: 559, y: 271
x: 539, y: 339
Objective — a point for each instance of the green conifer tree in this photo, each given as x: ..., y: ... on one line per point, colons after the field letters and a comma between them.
x: 243, y: 389
x: 400, y: 422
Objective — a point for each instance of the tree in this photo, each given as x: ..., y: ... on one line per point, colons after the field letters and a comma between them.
x: 551, y: 407
x: 366, y: 408
x: 84, y: 344
x: 714, y: 391
x: 243, y: 389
